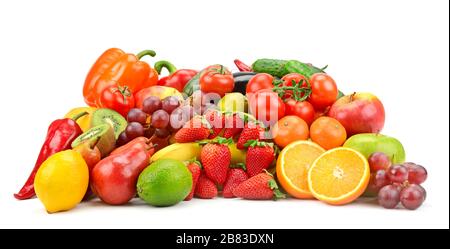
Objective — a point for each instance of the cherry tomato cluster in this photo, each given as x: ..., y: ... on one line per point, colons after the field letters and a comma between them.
x: 271, y: 99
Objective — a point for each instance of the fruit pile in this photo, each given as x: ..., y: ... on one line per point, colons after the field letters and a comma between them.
x: 275, y: 129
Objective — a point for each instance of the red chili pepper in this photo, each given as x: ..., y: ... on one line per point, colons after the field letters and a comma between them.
x: 242, y: 66
x: 60, y: 136
x: 177, y: 78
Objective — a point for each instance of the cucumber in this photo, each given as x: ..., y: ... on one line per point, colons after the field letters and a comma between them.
x: 307, y: 70
x: 280, y: 68
x: 193, y: 84
x: 340, y: 95
x: 270, y: 66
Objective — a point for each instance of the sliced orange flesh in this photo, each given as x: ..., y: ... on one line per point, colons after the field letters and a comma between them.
x: 339, y: 176
x: 293, y: 164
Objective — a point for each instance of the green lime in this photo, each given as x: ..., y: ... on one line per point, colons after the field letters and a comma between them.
x: 164, y: 183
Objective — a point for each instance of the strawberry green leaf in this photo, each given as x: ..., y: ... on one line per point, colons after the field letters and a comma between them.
x: 239, y: 166
x: 277, y: 194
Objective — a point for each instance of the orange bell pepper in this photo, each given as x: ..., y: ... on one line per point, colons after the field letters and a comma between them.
x: 117, y: 68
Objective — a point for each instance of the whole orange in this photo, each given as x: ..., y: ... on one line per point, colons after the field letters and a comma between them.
x: 328, y: 132
x: 289, y: 129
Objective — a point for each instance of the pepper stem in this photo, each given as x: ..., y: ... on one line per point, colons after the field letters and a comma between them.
x: 146, y: 52
x: 79, y: 115
x: 352, y: 96
x: 159, y: 65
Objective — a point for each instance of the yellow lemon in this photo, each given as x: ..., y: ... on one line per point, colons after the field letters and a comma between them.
x: 85, y: 121
x: 62, y: 181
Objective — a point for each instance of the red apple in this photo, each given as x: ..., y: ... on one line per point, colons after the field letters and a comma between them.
x: 359, y: 113
x: 159, y: 91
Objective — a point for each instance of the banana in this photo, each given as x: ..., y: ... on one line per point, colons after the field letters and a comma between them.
x: 178, y: 151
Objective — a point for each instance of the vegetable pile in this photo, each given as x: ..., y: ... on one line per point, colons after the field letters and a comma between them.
x: 277, y: 124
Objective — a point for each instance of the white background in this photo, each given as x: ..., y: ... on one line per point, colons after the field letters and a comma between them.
x: 398, y: 50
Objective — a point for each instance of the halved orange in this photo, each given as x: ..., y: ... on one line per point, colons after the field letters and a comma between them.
x: 293, y: 164
x: 339, y: 176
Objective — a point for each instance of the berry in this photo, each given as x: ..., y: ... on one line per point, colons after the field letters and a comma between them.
x: 181, y: 116
x: 233, y: 126
x: 137, y: 115
x: 216, y: 159
x: 196, y: 170
x: 122, y: 139
x: 250, y: 132
x: 160, y: 119
x: 235, y: 177
x: 205, y: 189
x: 216, y: 121
x: 259, y: 187
x: 162, y: 133
x: 417, y: 174
x: 151, y: 105
x: 260, y: 156
x: 397, y: 173
x: 134, y: 130
x: 412, y: 197
x: 379, y: 161
x: 389, y: 196
x: 169, y: 104
x: 194, y: 130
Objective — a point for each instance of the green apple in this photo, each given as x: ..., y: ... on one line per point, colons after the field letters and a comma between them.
x: 368, y: 143
x: 233, y: 102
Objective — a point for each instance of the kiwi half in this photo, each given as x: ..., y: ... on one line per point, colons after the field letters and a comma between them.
x: 105, y: 135
x: 110, y: 117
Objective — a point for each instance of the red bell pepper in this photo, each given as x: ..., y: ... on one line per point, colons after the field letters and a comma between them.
x: 177, y: 78
x: 60, y: 136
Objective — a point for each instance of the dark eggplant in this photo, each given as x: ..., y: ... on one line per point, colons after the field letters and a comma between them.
x: 240, y: 81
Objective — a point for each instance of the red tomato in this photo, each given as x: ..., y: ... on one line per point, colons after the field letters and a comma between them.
x: 266, y: 106
x: 217, y: 79
x: 324, y: 91
x: 301, y: 109
x: 258, y: 82
x: 288, y: 81
x: 117, y: 98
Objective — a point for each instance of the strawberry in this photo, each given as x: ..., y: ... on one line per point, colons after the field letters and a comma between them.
x: 235, y: 177
x: 260, y: 187
x: 233, y: 126
x: 196, y: 170
x: 216, y: 158
x: 251, y: 131
x: 260, y: 156
x: 216, y: 120
x: 196, y: 129
x: 205, y: 189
